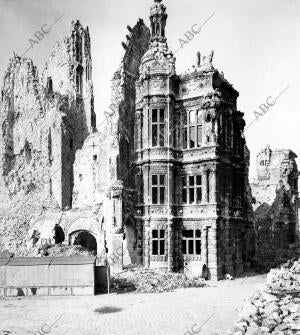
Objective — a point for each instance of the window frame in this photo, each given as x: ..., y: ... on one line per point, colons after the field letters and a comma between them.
x: 160, y: 188
x: 188, y: 189
x: 187, y: 241
x: 160, y: 126
x: 191, y: 129
x: 161, y: 242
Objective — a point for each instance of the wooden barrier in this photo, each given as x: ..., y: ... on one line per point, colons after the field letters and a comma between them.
x: 49, y: 276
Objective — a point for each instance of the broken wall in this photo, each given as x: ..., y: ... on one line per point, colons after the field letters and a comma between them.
x: 275, y: 200
x: 103, y: 172
x: 44, y: 120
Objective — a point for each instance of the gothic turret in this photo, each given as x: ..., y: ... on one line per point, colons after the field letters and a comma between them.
x: 158, y: 18
x: 158, y: 59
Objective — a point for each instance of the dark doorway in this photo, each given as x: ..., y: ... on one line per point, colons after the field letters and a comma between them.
x: 86, y: 239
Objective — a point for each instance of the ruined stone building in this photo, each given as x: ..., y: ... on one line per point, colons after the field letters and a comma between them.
x: 44, y: 120
x: 190, y: 159
x: 166, y: 176
x: 174, y: 159
x: 275, y: 196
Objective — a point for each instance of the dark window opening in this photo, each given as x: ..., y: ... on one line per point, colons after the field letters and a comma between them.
x: 158, y: 242
x: 49, y: 85
x: 158, y: 189
x: 192, y: 189
x: 158, y: 127
x: 208, y: 186
x: 191, y: 129
x: 71, y: 143
x: 191, y: 242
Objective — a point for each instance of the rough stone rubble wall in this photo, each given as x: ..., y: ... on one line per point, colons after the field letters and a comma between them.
x: 44, y: 120
x: 275, y: 197
x: 103, y: 175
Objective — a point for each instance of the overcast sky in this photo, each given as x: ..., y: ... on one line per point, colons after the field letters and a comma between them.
x: 256, y: 44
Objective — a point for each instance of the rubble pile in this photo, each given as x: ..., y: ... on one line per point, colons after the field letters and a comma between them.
x: 270, y: 257
x: 152, y: 281
x: 276, y: 309
x: 67, y: 251
x: 16, y: 221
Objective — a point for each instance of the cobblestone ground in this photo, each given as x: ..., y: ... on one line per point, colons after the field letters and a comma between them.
x: 213, y: 308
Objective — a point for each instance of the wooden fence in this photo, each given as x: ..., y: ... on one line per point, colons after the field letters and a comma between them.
x: 49, y: 276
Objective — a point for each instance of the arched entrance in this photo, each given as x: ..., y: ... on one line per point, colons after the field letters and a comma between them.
x: 85, y: 239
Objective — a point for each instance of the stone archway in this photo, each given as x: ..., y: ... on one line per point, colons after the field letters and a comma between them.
x: 85, y: 239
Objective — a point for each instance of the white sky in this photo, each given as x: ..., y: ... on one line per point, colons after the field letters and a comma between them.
x: 256, y: 44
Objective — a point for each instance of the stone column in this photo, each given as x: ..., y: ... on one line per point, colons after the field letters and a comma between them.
x: 214, y: 268
x: 116, y: 195
x: 169, y: 248
x: 228, y: 252
x: 139, y: 129
x: 147, y: 241
x: 140, y: 242
x: 146, y: 185
x: 239, y: 267
x: 213, y: 186
x: 146, y: 127
x: 204, y: 245
x: 204, y: 186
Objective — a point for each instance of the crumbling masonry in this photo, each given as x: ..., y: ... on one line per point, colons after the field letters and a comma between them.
x: 165, y: 179
x: 275, y: 198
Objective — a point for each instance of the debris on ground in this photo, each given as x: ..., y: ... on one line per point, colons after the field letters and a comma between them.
x: 67, y: 251
x: 152, y: 281
x: 275, y: 309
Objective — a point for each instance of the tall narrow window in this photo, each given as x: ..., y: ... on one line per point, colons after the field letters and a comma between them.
x: 158, y: 189
x: 199, y: 129
x: 184, y: 190
x: 191, y: 189
x: 208, y: 186
x: 191, y: 242
x: 158, y: 242
x: 184, y: 130
x: 199, y: 189
x: 192, y: 129
x: 158, y: 127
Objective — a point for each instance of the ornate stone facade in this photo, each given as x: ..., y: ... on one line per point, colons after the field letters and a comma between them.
x: 166, y: 177
x: 191, y: 209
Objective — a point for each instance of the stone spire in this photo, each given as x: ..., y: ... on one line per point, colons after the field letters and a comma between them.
x: 158, y: 19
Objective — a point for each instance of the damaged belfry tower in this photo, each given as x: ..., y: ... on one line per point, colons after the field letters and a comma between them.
x: 191, y: 210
